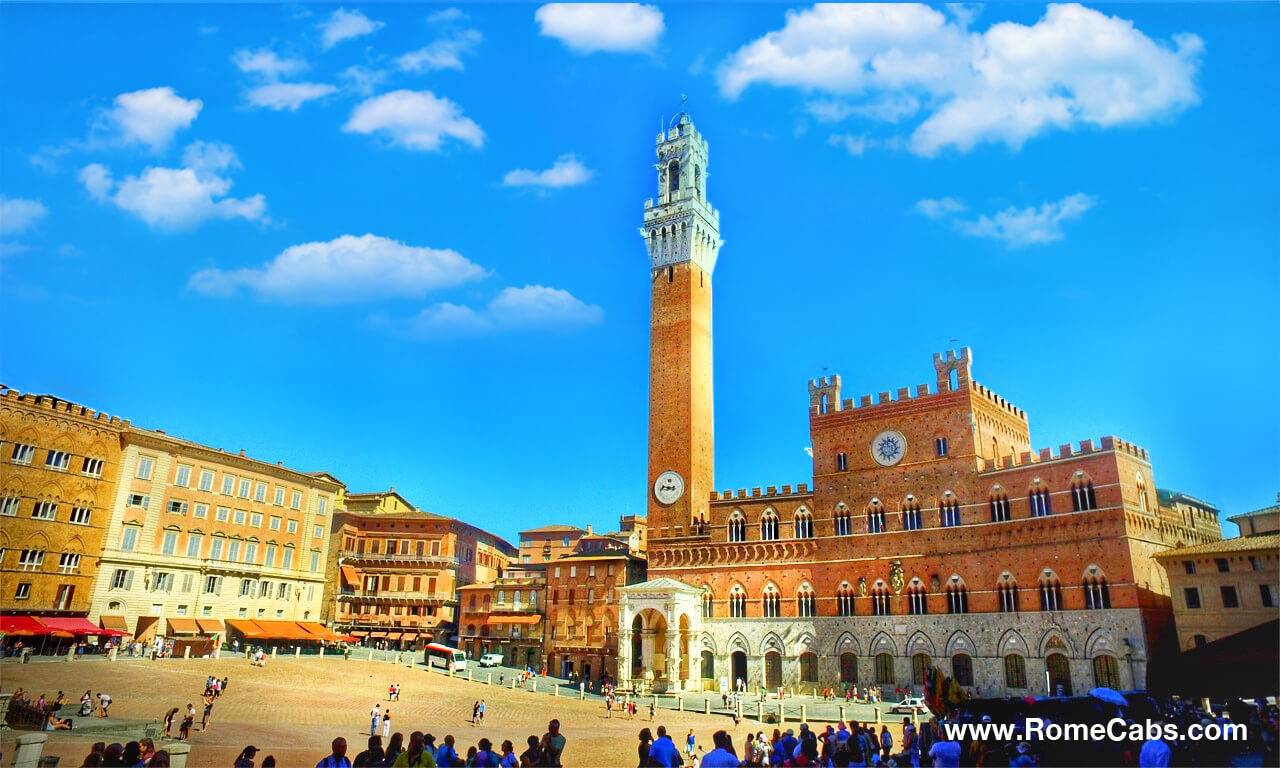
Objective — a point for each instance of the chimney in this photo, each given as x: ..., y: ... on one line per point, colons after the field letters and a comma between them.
x: 242, y: 452
x: 588, y: 529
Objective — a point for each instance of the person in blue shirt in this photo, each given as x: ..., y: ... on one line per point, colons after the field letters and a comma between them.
x: 723, y: 755
x: 688, y: 744
x: 787, y: 746
x: 664, y: 752
x: 446, y: 754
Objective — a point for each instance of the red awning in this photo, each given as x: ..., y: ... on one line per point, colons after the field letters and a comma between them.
x: 76, y: 626
x: 21, y: 625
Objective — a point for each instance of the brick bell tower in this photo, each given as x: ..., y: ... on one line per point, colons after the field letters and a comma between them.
x: 682, y: 233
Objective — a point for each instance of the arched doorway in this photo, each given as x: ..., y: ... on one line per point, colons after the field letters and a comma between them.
x: 772, y: 669
x: 808, y: 667
x: 848, y: 668
x: 1106, y: 672
x: 739, y: 659
x: 708, y: 665
x: 1059, y: 674
x: 531, y: 658
x: 649, y: 644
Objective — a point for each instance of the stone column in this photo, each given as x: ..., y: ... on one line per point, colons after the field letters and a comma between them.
x: 178, y: 753
x: 27, y: 752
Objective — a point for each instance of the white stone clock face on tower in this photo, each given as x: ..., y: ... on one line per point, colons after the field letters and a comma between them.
x: 888, y: 447
x: 669, y: 487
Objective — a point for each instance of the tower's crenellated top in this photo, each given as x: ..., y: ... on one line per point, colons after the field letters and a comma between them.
x: 680, y: 225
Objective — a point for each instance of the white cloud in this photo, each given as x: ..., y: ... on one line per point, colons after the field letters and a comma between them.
x: 288, y: 96
x: 178, y: 198
x: 17, y: 215
x: 417, y: 120
x: 445, y: 53
x: 152, y: 116
x: 1015, y: 227
x: 344, y: 25
x: 935, y: 209
x: 854, y: 145
x: 590, y: 27
x: 267, y: 64
x: 1075, y: 66
x: 361, y: 79
x: 345, y: 270
x: 567, y: 171
x: 527, y: 308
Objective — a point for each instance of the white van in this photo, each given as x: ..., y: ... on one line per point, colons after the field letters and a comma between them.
x: 491, y: 660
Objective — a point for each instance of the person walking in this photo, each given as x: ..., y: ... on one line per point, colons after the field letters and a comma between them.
x: 375, y: 717
x: 169, y: 717
x: 652, y: 711
x: 104, y: 701
x: 482, y: 706
x: 386, y: 724
x: 688, y: 745
x: 475, y: 712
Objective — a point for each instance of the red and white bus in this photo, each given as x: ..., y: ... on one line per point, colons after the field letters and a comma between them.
x: 444, y: 657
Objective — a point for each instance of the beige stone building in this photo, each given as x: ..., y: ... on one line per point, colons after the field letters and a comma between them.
x: 1224, y: 587
x: 197, y: 536
x: 58, y: 463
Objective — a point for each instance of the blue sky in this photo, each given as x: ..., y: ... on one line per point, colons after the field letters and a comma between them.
x: 399, y: 242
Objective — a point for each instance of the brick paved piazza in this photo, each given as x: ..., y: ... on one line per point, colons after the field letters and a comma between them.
x: 294, y: 707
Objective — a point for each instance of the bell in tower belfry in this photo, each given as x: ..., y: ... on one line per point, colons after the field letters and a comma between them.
x: 682, y: 234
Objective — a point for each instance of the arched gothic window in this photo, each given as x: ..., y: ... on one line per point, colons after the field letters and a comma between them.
x: 843, y: 521
x: 769, y: 526
x: 1050, y: 592
x: 673, y: 177
x: 957, y: 597
x: 880, y: 605
x: 1082, y: 498
x: 844, y: 600
x: 804, y: 524
x: 1096, y: 594
x: 771, y: 602
x: 911, y: 515
x: 806, y: 602
x: 875, y: 517
x: 1041, y: 504
x: 737, y: 526
x: 708, y: 604
x: 917, y: 599
x: 1007, y: 592
x: 999, y: 503
x: 737, y: 602
x: 949, y: 511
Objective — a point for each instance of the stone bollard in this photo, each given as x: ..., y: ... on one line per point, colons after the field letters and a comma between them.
x: 322, y: 651
x: 555, y: 690
x: 760, y: 710
x: 878, y: 720
x: 841, y: 710
x: 178, y: 753
x: 297, y: 651
x: 186, y: 652
x: 582, y: 693
x: 513, y: 683
x: 488, y: 679
x: 804, y: 715
x: 915, y: 718
x: 782, y: 715
x: 217, y: 652
x: 71, y: 654
x: 680, y: 704
x: 737, y: 708
x: 468, y: 674
x: 27, y: 752
x: 112, y: 655
x: 273, y: 653
x: 706, y: 706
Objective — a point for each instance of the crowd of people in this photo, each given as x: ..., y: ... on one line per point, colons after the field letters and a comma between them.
x: 422, y: 751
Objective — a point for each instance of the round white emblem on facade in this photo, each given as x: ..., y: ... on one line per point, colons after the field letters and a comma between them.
x: 888, y: 447
x: 669, y: 487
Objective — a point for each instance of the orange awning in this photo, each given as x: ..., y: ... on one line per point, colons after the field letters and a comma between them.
x: 118, y: 623
x: 378, y: 635
x: 509, y: 619
x: 317, y: 631
x: 393, y: 635
x: 281, y: 630
x: 180, y: 626
x: 349, y: 575
x: 360, y: 633
x: 245, y: 627
x: 211, y: 626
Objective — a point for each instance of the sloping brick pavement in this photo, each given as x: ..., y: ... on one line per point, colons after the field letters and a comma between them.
x: 293, y: 708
